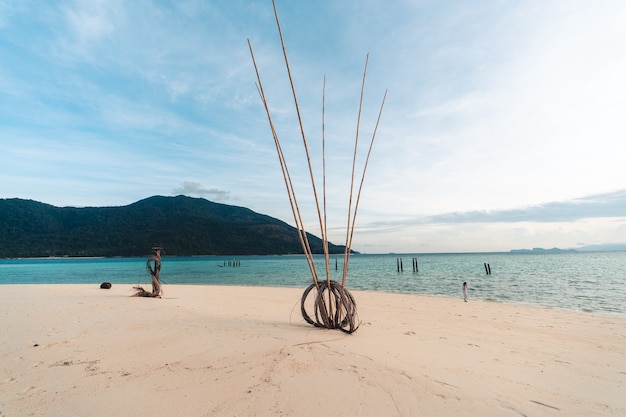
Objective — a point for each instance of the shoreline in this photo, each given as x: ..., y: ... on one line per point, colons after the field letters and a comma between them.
x: 382, y: 291
x: 583, y: 282
x: 76, y: 349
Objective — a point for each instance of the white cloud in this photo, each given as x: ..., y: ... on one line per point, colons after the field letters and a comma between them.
x: 195, y: 188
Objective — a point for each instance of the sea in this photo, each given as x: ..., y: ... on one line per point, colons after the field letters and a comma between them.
x: 593, y: 282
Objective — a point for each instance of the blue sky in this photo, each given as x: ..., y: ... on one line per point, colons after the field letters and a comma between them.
x: 503, y: 126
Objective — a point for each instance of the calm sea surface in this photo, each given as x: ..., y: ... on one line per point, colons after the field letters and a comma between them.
x: 581, y: 281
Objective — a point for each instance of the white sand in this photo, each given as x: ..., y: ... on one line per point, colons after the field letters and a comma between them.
x: 76, y: 350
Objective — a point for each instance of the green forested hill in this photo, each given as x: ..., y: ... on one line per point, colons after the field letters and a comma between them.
x: 181, y: 225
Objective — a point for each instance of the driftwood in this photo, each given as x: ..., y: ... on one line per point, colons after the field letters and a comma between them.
x: 153, y: 266
x: 333, y: 305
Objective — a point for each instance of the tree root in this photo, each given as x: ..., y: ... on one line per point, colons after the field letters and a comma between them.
x: 140, y: 292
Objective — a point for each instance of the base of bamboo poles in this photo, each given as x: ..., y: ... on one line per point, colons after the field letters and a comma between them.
x: 333, y: 307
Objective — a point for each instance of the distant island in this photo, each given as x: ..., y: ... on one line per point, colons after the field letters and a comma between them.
x: 589, y: 248
x: 183, y: 226
x: 542, y: 250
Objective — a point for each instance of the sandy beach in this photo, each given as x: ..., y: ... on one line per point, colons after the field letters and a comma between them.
x: 77, y: 350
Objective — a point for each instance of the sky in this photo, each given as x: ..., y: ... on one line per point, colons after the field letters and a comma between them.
x: 503, y: 126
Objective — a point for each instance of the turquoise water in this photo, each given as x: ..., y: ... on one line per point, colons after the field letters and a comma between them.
x: 581, y: 281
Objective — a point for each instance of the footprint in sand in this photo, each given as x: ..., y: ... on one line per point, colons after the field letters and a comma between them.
x: 25, y: 390
x: 10, y: 380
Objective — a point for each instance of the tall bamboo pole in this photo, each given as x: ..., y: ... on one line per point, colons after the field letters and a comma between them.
x: 295, y: 99
x: 346, y: 254
x: 287, y: 177
x: 325, y: 232
x: 358, y: 198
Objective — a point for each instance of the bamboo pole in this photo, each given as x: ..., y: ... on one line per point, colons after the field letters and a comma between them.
x: 346, y: 254
x: 325, y: 232
x: 358, y: 198
x: 287, y: 177
x: 295, y: 99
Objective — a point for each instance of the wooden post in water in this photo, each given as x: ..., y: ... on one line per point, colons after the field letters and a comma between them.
x: 399, y: 264
x: 487, y: 269
x: 415, y: 268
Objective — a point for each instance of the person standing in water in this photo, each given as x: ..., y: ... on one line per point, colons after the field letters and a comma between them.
x: 465, y: 292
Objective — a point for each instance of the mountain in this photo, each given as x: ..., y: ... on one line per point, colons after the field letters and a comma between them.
x: 182, y: 225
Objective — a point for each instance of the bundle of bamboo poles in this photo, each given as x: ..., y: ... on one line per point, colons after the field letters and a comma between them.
x: 333, y: 305
x: 153, y: 266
